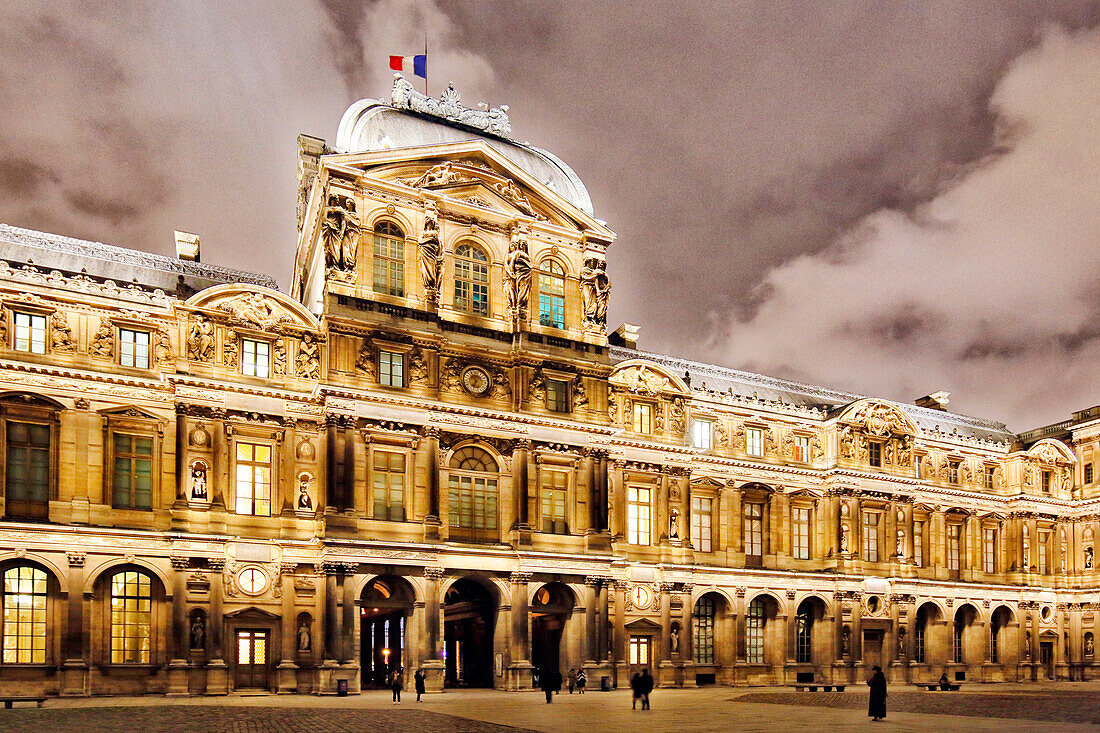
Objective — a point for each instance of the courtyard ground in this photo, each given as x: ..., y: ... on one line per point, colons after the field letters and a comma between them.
x: 1000, y: 708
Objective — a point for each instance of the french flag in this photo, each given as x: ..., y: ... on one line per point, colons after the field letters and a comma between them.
x: 415, y: 65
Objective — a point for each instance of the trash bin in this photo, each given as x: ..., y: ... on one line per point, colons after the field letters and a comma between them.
x: 342, y: 688
x: 605, y: 684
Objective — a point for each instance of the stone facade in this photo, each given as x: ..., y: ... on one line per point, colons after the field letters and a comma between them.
x: 431, y: 454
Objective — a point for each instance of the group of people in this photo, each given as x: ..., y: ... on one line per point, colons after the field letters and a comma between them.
x: 641, y: 685
x: 397, y: 683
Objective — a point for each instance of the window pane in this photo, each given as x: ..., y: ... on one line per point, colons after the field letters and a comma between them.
x: 131, y: 617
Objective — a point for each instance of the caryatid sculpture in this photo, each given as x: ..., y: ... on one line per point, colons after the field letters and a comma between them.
x: 517, y: 275
x: 340, y: 228
x: 595, y: 292
x: 430, y: 255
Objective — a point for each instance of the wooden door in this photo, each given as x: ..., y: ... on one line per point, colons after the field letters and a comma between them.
x: 641, y: 654
x: 1046, y: 656
x: 251, y: 658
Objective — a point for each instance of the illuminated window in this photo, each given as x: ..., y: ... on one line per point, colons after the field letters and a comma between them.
x: 391, y: 369
x: 1046, y: 481
x: 472, y: 502
x: 388, y: 480
x: 639, y: 650
x: 870, y: 536
x: 1044, y: 551
x: 918, y: 466
x: 254, y: 479
x: 552, y: 296
x: 132, y: 487
x: 389, y: 259
x: 801, y: 449
x: 800, y: 532
x: 552, y: 495
x: 638, y: 507
x: 133, y: 348
x: 953, y: 533
x: 30, y: 333
x: 754, y: 441
x: 643, y: 418
x: 754, y: 632
x: 702, y: 626
x: 255, y: 360
x: 989, y: 550
x: 953, y: 472
x: 874, y: 454
x: 987, y: 477
x: 24, y: 626
x: 471, y: 280
x: 753, y: 530
x: 131, y: 616
x: 918, y: 544
x: 701, y: 432
x: 701, y: 523
x: 557, y: 395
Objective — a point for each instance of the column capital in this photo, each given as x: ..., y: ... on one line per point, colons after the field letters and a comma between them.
x: 217, y: 564
x: 179, y: 562
x: 594, y: 580
x: 622, y: 584
x: 520, y: 577
x: 338, y: 568
x: 687, y: 588
x: 76, y: 559
x: 433, y: 573
x: 666, y: 587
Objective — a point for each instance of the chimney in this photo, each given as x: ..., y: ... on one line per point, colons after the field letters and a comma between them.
x: 187, y: 246
x: 936, y: 401
x: 625, y: 335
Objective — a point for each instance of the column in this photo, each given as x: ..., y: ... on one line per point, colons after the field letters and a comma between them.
x: 687, y: 656
x: 601, y: 620
x: 857, y: 630
x: 591, y: 466
x: 288, y: 670
x: 520, y: 493
x: 347, y: 591
x: 664, y: 486
x: 619, y: 630
x: 603, y: 504
x: 432, y: 447
x: 592, y: 641
x: 520, y: 677
x: 333, y: 486
x: 179, y: 638
x: 332, y: 617
x: 74, y: 666
x: 217, y: 675
x: 433, y: 662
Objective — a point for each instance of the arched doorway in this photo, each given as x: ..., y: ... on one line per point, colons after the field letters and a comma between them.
x: 469, y: 612
x: 711, y: 634
x: 926, y: 619
x: 812, y: 640
x: 964, y: 650
x: 550, y: 611
x: 998, y: 637
x: 764, y: 647
x: 385, y: 607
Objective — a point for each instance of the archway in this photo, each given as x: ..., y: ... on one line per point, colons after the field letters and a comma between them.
x: 550, y: 611
x: 963, y: 648
x: 998, y: 622
x: 812, y: 639
x: 385, y: 606
x: 763, y: 644
x: 927, y: 617
x: 469, y: 613
x: 711, y: 636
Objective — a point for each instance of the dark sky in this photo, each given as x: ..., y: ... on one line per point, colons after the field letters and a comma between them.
x: 893, y: 198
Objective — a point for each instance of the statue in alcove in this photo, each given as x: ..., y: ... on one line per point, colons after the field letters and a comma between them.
x: 305, y: 503
x: 198, y: 481
x: 198, y: 632
x: 674, y: 639
x: 305, y: 641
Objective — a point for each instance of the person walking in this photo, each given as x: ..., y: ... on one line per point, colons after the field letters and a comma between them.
x: 546, y: 682
x: 876, y: 706
x: 582, y: 681
x: 636, y: 690
x: 646, y: 683
x: 557, y: 680
x: 418, y: 680
x: 397, y: 681
x: 571, y: 679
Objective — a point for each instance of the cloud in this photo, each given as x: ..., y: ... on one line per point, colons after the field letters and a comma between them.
x: 989, y: 289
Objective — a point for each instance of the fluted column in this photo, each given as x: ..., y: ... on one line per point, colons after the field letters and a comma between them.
x: 432, y: 576
x: 332, y: 611
x: 520, y: 490
x: 592, y: 641
x: 432, y: 447
x: 347, y: 591
x: 520, y: 621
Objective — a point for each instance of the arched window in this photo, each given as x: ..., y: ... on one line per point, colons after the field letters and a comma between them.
x: 803, y: 641
x: 918, y: 636
x: 957, y: 642
x: 24, y: 627
x: 552, y: 295
x: 754, y: 632
x: 702, y: 626
x: 389, y: 259
x: 471, y: 280
x: 131, y: 617
x: 472, y: 498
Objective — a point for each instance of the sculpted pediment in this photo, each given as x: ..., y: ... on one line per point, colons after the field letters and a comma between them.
x: 1049, y: 450
x: 476, y: 181
x: 879, y: 418
x: 644, y: 378
x: 254, y: 307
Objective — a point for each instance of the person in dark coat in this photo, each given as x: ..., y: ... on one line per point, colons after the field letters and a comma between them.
x: 876, y: 706
x: 636, y: 689
x: 944, y: 683
x: 418, y: 679
x: 557, y: 681
x: 646, y: 683
x: 397, y: 681
x: 546, y: 682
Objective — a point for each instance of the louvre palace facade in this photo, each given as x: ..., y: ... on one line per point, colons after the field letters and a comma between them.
x: 432, y: 453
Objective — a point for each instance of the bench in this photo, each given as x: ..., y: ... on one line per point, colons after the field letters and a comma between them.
x: 936, y: 686
x: 10, y: 701
x: 824, y: 688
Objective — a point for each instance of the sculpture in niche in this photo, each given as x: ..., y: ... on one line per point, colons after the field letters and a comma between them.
x: 61, y: 340
x: 364, y: 363
x: 674, y: 638
x: 253, y: 309
x: 862, y: 449
x: 103, y: 343
x: 452, y: 375
x: 580, y: 394
x: 677, y: 416
x: 305, y: 641
x: 899, y: 546
x: 905, y: 451
x: 1027, y: 549
x: 845, y: 538
x: 200, y: 342
x: 1029, y: 476
x: 1088, y: 558
x: 340, y: 229
x: 537, y: 390
x: 845, y: 641
x: 847, y: 443
x: 162, y: 350
x: 305, y: 503
x: 502, y: 389
x: 3, y: 328
x: 999, y: 477
x: 966, y: 474
x: 493, y: 121
x: 430, y: 255
x: 817, y: 453
x: 517, y: 276
x: 674, y: 524
x: 1090, y: 645
x: 769, y: 441
x: 279, y: 357
x: 198, y: 481
x: 308, y: 364
x: 612, y: 406
x: 1064, y: 553
x: 739, y: 437
x: 890, y: 455
x: 901, y: 643
x: 230, y: 350
x: 721, y: 435
x: 418, y: 366
x: 198, y: 632
x: 1066, y: 483
x: 595, y: 292
x: 1027, y: 644
x: 787, y: 444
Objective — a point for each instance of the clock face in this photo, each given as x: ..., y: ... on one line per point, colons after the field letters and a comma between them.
x: 640, y: 596
x: 475, y: 380
x: 252, y: 581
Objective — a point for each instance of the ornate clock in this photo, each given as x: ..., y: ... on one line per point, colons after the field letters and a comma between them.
x: 640, y: 597
x: 252, y: 581
x: 476, y: 380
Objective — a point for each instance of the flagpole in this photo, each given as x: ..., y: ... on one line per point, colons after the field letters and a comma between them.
x: 425, y: 64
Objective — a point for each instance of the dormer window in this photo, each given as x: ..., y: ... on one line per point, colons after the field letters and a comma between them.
x: 471, y: 280
x: 874, y: 454
x: 1046, y: 481
x: 754, y: 441
x: 30, y: 333
x: 552, y: 295
x: 255, y: 358
x: 389, y: 259
x: 133, y: 348
x: 953, y: 471
x: 643, y: 418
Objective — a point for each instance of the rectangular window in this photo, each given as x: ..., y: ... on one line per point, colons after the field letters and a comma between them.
x: 953, y: 472
x: 870, y: 536
x: 472, y: 503
x: 918, y: 544
x: 638, y: 507
x: 1046, y: 481
x: 388, y: 485
x: 253, y: 479
x: 753, y: 531
x: 754, y: 441
x: 132, y: 487
x: 800, y: 532
x: 639, y: 650
x: 987, y: 478
x: 30, y: 333
x: 552, y: 494
x: 391, y: 369
x: 801, y: 449
x: 27, y: 474
x: 954, y: 532
x: 643, y: 418
x: 1044, y: 549
x: 557, y: 395
x: 754, y: 634
x: 989, y: 550
x: 957, y: 643
x: 254, y: 358
x: 133, y: 348
x: 1088, y: 473
x: 874, y: 454
x: 701, y: 523
x: 918, y: 466
x: 918, y: 643
x: 701, y: 431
